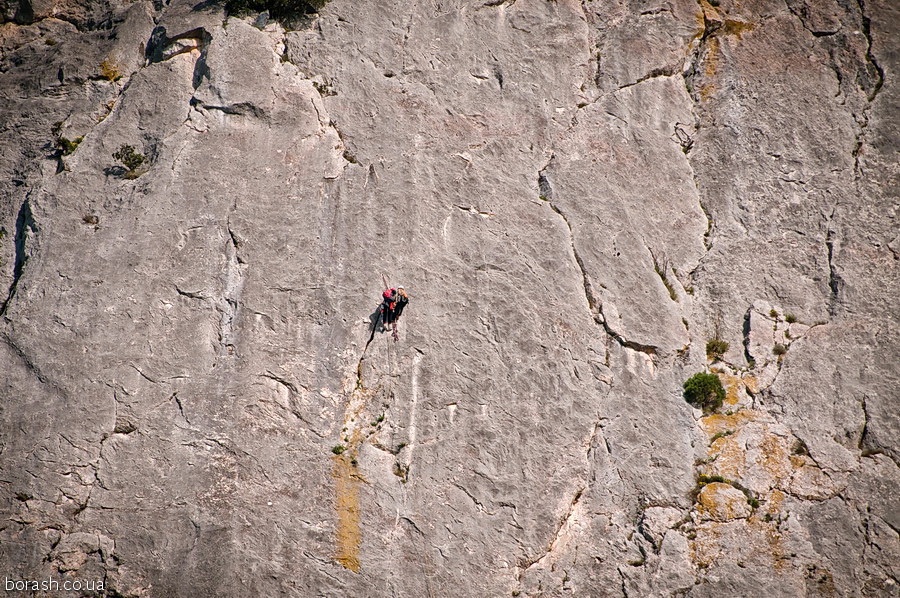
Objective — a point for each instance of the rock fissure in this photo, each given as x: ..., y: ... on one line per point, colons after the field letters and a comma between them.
x: 595, y: 305
x: 527, y: 564
x: 870, y: 57
x: 233, y: 276
x: 663, y: 71
x: 25, y: 228
x: 834, y: 279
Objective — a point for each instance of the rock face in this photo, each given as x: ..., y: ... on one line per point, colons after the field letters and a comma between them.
x: 578, y: 197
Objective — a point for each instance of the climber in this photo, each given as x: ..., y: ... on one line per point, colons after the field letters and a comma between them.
x: 389, y: 298
x: 401, y: 301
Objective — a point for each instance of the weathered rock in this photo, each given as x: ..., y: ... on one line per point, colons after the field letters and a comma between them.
x: 578, y: 196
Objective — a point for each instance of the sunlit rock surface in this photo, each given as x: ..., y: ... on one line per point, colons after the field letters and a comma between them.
x: 577, y: 196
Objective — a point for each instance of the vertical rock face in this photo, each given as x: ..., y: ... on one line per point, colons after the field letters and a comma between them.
x: 577, y: 196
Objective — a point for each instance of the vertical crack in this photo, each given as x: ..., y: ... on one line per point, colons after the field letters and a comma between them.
x: 867, y: 32
x: 834, y: 279
x: 865, y: 429
x: 879, y: 76
x: 551, y: 546
x: 25, y: 225
x: 595, y: 304
x: 234, y: 274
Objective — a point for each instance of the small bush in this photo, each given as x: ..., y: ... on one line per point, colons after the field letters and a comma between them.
x: 773, y: 313
x: 131, y: 159
x: 704, y: 391
x: 716, y: 348
x: 67, y: 146
x: 790, y: 318
x: 338, y: 449
x: 110, y: 71
x: 779, y: 349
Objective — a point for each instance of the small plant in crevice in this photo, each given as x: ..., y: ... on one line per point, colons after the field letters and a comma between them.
x: 779, y: 349
x: 800, y: 448
x: 661, y: 267
x: 401, y: 471
x: 721, y: 435
x: 790, y: 318
x: 704, y: 391
x: 68, y: 146
x: 773, y: 313
x: 325, y: 89
x: 716, y: 348
x: 65, y: 145
x: 131, y: 159
x: 338, y: 449
x: 110, y: 71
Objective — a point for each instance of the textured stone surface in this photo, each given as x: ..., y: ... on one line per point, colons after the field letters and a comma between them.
x: 578, y: 196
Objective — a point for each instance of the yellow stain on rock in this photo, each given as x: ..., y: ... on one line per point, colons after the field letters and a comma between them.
x: 730, y: 457
x: 733, y: 387
x: 711, y: 68
x: 776, y: 460
x: 773, y: 504
x: 346, y: 498
x: 723, y: 502
x: 736, y: 28
x: 751, y: 382
x: 719, y: 423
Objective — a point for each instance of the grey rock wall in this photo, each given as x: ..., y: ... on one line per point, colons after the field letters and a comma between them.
x: 577, y: 195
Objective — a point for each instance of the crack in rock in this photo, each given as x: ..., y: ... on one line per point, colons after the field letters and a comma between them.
x: 595, y: 304
x: 25, y: 227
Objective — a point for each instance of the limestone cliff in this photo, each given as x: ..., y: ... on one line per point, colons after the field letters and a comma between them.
x: 578, y: 196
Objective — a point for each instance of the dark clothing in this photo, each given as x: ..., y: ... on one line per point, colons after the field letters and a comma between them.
x: 401, y: 302
x: 387, y: 306
x: 387, y: 311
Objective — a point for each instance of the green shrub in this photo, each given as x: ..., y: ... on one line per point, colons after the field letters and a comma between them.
x: 67, y: 146
x: 704, y: 391
x: 338, y: 449
x: 131, y: 159
x: 716, y: 348
x: 790, y: 318
x: 779, y: 349
x: 773, y: 313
